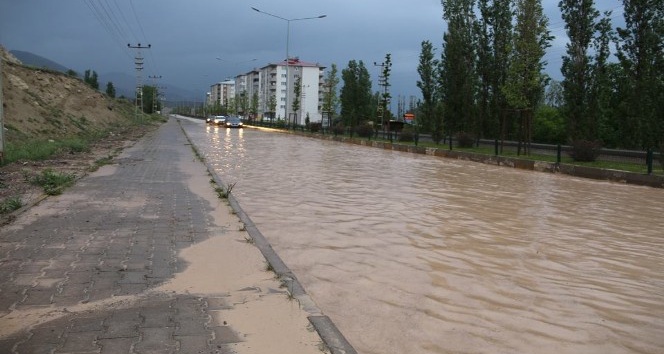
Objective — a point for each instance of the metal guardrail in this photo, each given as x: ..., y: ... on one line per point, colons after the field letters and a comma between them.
x: 613, y: 155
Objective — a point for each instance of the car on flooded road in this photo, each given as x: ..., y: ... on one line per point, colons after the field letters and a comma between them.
x: 219, y: 120
x: 233, y: 122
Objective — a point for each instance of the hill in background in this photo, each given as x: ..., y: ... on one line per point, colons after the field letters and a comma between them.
x: 41, y: 104
x: 125, y: 84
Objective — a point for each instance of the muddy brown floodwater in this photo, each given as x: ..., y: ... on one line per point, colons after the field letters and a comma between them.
x: 416, y: 254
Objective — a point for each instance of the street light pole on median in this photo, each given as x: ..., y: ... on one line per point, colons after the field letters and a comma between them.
x: 288, y: 21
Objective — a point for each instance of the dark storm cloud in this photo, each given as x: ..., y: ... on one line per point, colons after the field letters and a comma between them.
x: 187, y: 36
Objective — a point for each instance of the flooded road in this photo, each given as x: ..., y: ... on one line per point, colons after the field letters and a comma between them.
x: 409, y: 253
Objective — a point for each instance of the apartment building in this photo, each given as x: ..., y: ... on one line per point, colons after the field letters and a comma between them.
x: 274, y: 87
x: 221, y: 93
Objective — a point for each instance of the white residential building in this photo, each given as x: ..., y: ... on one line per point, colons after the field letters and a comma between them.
x: 269, y: 84
x: 311, y: 80
x: 221, y: 93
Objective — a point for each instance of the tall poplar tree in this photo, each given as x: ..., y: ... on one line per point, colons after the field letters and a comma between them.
x: 356, y: 94
x: 457, y: 66
x: 428, y: 85
x: 577, y: 68
x: 602, y: 88
x: 525, y: 83
x: 641, y: 55
x: 494, y: 35
x: 330, y: 99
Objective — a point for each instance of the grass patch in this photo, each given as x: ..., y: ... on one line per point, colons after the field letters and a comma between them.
x: 39, y: 150
x: 52, y: 182
x: 10, y: 204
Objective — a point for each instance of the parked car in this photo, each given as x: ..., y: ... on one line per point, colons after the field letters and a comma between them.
x: 219, y: 120
x: 233, y: 122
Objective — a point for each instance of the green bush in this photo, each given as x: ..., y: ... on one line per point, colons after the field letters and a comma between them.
x: 315, y: 127
x: 549, y: 126
x: 10, y: 204
x: 364, y: 131
x: 465, y: 140
x: 338, y: 129
x: 407, y: 134
x: 52, y: 182
x: 585, y: 150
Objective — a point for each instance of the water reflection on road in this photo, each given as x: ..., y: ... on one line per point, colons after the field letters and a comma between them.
x: 417, y: 254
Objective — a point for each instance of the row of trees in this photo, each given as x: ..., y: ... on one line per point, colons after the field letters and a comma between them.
x: 489, y: 79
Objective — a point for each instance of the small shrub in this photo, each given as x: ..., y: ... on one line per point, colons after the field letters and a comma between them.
x: 338, y: 129
x: 407, y: 135
x: 465, y: 140
x: 10, y: 204
x: 52, y: 182
x: 585, y: 150
x: 364, y: 131
x: 315, y: 127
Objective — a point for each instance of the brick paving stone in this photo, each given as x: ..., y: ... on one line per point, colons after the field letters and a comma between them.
x: 37, y: 297
x: 80, y: 342
x: 193, y: 344
x: 156, y: 340
x: 114, y: 234
x: 117, y: 345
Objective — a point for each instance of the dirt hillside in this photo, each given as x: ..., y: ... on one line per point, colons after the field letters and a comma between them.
x: 44, y: 107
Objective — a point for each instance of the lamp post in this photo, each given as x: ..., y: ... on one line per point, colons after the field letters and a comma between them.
x: 288, y: 21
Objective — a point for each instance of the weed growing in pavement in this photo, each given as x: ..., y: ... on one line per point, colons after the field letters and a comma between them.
x: 269, y: 267
x: 220, y: 193
x: 52, y: 182
x: 249, y: 240
x: 230, y: 188
x: 223, y: 194
x: 243, y: 227
x: 196, y: 153
x: 10, y: 204
x: 101, y: 162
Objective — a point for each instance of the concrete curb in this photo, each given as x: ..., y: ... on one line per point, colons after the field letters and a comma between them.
x: 327, y: 330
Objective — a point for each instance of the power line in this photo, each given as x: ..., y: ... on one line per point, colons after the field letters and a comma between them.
x: 97, y: 13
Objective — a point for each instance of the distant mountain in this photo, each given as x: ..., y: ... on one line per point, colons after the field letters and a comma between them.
x: 37, y: 61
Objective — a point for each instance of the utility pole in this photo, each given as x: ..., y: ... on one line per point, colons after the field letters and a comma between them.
x: 2, y: 115
x: 154, y: 91
x: 138, y: 60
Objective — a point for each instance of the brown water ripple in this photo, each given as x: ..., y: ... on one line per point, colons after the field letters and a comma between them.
x: 416, y: 254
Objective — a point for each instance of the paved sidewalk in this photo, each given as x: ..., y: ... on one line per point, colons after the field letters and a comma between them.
x: 78, y: 272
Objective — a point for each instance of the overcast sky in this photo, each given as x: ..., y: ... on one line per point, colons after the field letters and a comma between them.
x: 186, y: 37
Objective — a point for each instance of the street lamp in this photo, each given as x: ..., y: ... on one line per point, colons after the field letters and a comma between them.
x: 288, y: 21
